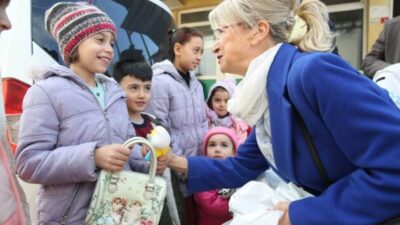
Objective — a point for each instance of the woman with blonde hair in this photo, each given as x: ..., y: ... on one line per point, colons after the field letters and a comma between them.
x: 309, y: 110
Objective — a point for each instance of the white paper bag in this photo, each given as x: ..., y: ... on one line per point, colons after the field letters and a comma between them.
x: 254, y: 203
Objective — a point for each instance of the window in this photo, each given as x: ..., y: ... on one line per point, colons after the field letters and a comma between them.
x: 349, y: 28
x: 142, y: 28
x: 334, y: 2
x: 349, y: 23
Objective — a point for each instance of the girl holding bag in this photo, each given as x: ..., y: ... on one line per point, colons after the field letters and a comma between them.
x: 74, y: 118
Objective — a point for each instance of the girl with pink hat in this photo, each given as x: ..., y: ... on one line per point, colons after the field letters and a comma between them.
x: 213, y: 206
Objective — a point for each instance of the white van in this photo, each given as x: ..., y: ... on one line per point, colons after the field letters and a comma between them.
x: 142, y: 27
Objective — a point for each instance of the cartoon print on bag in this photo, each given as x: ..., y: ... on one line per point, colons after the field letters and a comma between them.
x: 133, y: 212
x: 118, y: 209
x: 146, y: 222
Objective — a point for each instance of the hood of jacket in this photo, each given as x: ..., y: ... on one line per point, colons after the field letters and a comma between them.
x: 62, y: 71
x: 166, y: 67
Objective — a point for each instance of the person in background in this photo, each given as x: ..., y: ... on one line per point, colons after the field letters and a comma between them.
x: 309, y: 108
x: 213, y: 206
x: 74, y: 118
x: 13, y: 204
x: 134, y: 77
x: 217, y: 111
x: 5, y: 23
x: 177, y: 99
x: 386, y: 49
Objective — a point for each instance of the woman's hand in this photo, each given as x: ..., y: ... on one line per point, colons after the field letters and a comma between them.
x: 283, y: 206
x: 111, y: 157
x: 177, y: 163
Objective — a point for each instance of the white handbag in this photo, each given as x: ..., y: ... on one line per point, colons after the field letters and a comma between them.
x: 126, y: 197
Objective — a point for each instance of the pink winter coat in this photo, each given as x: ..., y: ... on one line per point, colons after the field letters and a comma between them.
x: 213, y: 210
x: 241, y: 128
x: 238, y: 126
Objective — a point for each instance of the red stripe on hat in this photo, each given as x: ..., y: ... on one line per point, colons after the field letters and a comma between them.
x: 84, y: 33
x: 68, y: 17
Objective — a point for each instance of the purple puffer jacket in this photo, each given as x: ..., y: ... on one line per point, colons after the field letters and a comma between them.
x: 61, y: 125
x: 180, y: 107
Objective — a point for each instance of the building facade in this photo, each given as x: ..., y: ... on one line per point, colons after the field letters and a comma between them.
x: 358, y: 24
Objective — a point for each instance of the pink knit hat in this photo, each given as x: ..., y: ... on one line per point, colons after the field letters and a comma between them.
x: 220, y: 130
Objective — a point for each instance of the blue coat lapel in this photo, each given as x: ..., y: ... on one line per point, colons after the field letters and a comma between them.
x: 280, y: 110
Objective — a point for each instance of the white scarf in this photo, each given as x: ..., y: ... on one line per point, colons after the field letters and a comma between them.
x: 250, y: 101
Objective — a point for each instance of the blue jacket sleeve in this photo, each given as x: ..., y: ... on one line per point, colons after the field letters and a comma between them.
x: 365, y: 124
x: 207, y: 173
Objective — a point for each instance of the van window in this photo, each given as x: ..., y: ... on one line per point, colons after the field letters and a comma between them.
x: 142, y: 28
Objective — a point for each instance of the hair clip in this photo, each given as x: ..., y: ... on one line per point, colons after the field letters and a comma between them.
x: 171, y: 31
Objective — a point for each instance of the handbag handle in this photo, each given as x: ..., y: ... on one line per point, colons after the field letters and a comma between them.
x: 112, y: 187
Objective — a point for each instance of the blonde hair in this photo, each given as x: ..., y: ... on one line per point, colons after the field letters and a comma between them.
x: 280, y: 14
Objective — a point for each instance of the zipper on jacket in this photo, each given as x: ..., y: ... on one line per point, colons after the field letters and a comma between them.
x: 196, y: 124
x: 108, y: 127
x: 67, y: 209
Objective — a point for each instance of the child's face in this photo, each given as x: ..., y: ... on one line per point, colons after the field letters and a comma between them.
x: 95, y: 53
x: 137, y: 93
x: 188, y: 55
x: 219, y: 146
x: 4, y: 21
x: 219, y: 102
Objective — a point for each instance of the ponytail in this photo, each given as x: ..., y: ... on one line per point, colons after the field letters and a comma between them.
x: 311, y: 29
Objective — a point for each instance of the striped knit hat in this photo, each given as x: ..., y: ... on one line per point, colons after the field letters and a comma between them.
x: 70, y: 23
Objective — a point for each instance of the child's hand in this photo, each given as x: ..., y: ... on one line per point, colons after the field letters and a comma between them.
x: 144, y: 150
x: 111, y: 157
x: 162, y: 163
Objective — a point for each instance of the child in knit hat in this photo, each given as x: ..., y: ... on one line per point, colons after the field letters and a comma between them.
x: 213, y: 206
x: 217, y: 112
x: 74, y: 118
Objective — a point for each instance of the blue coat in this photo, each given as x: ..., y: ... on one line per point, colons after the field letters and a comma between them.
x: 354, y: 125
